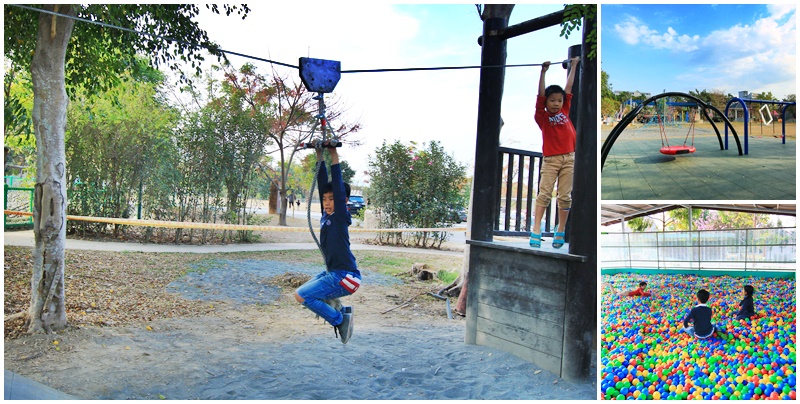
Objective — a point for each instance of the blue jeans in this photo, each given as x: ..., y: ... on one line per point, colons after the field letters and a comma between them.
x: 325, y: 286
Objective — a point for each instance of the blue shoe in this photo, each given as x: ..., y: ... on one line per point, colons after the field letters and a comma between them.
x: 536, y: 240
x: 556, y: 242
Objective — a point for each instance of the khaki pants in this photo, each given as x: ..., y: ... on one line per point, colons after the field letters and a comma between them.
x: 559, y: 167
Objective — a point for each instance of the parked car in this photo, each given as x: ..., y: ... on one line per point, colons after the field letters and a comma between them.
x: 458, y: 215
x: 355, y: 204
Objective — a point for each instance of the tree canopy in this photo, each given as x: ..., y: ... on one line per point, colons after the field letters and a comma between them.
x: 98, y: 55
x: 416, y: 187
x: 62, y: 57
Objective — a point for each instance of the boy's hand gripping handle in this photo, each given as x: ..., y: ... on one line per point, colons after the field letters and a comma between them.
x: 318, y: 144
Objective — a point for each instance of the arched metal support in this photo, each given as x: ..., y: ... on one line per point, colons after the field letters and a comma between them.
x: 627, y: 119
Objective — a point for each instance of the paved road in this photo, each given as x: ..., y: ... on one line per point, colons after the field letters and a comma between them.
x: 25, y: 238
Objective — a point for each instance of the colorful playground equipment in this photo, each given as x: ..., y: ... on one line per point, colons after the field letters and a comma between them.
x: 666, y: 148
x: 743, y: 102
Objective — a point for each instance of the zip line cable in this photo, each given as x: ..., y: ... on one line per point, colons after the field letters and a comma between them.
x: 209, y: 48
x: 407, y: 69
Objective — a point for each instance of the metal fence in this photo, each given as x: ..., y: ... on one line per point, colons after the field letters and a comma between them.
x: 20, y: 200
x: 743, y: 249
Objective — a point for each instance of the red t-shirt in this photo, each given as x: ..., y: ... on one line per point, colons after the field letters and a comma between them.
x: 558, y: 133
x: 638, y: 292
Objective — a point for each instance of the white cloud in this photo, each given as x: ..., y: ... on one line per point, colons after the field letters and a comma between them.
x: 777, y: 11
x: 756, y: 57
x: 634, y: 31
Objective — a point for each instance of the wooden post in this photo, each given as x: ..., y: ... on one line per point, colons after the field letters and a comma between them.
x: 581, y: 300
x: 484, y: 191
x: 490, y: 99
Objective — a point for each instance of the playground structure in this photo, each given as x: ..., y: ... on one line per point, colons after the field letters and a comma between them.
x: 645, y: 354
x: 700, y: 104
x: 532, y: 302
x: 743, y: 103
x: 665, y: 113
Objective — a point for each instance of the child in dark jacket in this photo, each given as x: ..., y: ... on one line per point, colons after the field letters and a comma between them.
x: 746, y: 308
x: 701, y: 316
x: 342, y: 277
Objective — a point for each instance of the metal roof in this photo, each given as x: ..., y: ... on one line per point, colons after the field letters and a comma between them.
x: 615, y: 213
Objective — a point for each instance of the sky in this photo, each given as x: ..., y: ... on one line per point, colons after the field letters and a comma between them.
x: 683, y: 47
x: 415, y: 106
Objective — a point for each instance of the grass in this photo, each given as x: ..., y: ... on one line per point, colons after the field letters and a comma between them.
x: 447, y: 277
x: 392, y: 263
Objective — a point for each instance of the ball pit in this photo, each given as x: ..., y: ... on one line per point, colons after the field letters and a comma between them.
x: 646, y: 355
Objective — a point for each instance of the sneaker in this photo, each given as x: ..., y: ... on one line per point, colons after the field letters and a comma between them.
x: 345, y: 329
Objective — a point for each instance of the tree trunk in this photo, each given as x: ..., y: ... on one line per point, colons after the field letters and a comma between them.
x: 282, y: 204
x: 273, y: 198
x: 47, y: 312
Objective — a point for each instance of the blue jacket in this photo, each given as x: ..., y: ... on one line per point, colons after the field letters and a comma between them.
x: 334, y: 238
x: 747, y: 309
x: 701, y: 314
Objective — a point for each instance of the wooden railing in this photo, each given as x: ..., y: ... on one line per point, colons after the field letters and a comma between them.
x: 518, y: 181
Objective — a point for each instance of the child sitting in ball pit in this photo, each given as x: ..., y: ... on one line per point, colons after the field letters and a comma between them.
x: 701, y: 314
x: 746, y: 308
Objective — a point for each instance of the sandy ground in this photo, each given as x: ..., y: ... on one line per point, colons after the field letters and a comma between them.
x: 256, y: 342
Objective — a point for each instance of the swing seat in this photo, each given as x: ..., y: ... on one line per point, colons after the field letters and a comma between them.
x: 673, y: 150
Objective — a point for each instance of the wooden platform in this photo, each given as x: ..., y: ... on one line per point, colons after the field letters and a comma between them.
x: 521, y: 300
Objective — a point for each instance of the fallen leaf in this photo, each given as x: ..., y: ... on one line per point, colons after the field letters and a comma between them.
x: 149, y: 328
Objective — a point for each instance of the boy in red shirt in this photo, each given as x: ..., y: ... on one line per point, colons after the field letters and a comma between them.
x: 558, y: 149
x: 635, y: 292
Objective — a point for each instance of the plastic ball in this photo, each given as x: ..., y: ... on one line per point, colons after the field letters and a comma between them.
x: 644, y: 349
